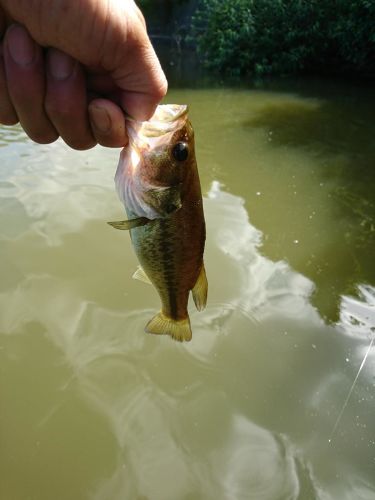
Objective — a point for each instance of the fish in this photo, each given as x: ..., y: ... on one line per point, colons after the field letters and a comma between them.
x: 157, y: 180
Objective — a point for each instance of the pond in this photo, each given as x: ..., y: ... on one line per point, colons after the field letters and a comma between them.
x: 273, y: 398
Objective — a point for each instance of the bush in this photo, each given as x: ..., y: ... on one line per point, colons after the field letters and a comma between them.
x: 286, y: 36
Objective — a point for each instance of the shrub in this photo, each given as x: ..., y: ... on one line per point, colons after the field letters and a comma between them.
x: 284, y: 36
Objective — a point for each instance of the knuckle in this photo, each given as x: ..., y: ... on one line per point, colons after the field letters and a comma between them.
x: 141, y: 17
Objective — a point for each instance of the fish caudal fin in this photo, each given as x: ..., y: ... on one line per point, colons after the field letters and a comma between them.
x: 162, y: 325
x: 200, y: 290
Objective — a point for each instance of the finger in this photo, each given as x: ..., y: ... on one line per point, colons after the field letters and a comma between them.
x: 108, y: 123
x: 139, y: 105
x: 8, y: 114
x: 147, y: 85
x: 24, y: 70
x: 66, y: 100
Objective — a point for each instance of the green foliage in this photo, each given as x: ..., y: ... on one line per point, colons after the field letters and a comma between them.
x: 285, y: 36
x: 152, y: 4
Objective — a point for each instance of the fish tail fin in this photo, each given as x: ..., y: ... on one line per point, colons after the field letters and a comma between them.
x: 178, y: 329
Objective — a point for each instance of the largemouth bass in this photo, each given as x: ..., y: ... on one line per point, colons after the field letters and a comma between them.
x: 157, y: 180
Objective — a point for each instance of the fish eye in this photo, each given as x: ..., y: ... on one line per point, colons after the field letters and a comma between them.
x: 180, y: 151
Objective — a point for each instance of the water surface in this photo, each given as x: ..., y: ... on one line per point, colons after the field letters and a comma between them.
x: 274, y: 397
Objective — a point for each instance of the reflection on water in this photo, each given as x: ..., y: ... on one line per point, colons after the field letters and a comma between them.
x: 93, y: 408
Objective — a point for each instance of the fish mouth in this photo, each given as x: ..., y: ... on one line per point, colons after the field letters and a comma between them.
x: 168, y: 113
x: 159, y: 128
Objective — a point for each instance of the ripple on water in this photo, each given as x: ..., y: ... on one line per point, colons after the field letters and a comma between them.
x: 162, y: 430
x: 7, y: 189
x: 13, y: 134
x: 177, y: 412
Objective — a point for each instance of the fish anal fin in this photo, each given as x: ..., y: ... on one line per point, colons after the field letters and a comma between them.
x: 200, y: 290
x: 141, y: 276
x: 163, y: 325
x: 126, y: 225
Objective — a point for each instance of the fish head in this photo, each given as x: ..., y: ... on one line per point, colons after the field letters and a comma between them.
x: 154, y: 167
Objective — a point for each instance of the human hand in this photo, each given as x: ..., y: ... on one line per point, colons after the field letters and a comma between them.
x: 71, y: 68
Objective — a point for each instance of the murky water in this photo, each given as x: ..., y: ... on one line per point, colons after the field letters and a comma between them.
x: 274, y: 397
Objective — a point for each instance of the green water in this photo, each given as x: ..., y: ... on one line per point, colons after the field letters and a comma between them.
x: 267, y: 402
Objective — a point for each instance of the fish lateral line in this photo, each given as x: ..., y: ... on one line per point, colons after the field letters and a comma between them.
x: 126, y: 225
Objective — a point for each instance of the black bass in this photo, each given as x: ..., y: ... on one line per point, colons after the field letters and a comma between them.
x: 157, y: 180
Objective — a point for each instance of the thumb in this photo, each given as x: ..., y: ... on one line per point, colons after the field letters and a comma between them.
x: 137, y: 71
x: 144, y: 85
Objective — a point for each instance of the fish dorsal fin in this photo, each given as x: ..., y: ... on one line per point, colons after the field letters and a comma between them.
x: 126, y: 225
x: 200, y: 290
x: 163, y: 325
x: 141, y: 276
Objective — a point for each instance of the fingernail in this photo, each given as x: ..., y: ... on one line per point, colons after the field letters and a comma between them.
x: 21, y: 45
x: 100, y: 119
x: 60, y: 65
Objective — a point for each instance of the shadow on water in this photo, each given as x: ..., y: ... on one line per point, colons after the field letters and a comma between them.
x: 329, y: 128
x: 338, y: 131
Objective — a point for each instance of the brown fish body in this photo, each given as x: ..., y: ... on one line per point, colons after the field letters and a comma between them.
x: 170, y: 246
x: 170, y: 251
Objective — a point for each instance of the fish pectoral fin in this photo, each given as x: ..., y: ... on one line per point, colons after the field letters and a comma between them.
x: 163, y: 325
x: 141, y: 276
x: 126, y: 225
x: 200, y: 290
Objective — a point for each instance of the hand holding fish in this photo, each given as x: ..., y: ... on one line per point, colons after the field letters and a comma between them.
x: 71, y: 68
